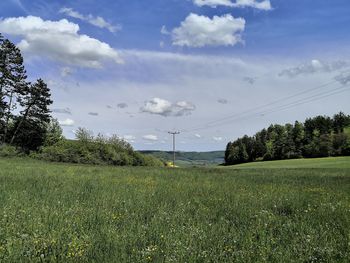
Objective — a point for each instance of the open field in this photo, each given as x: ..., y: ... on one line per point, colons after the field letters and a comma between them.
x: 331, y: 162
x: 71, y: 213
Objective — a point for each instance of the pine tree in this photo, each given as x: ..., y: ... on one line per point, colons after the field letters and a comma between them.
x: 13, y: 85
x: 35, y: 107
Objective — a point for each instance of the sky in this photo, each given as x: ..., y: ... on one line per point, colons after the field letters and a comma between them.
x: 212, y: 69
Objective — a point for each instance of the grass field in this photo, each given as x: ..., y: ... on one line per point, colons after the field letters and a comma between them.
x: 331, y: 162
x: 71, y: 213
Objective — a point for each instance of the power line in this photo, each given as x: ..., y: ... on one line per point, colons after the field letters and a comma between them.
x: 231, y: 117
x: 280, y: 108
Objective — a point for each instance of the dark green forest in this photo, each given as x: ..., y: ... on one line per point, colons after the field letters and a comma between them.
x: 320, y: 136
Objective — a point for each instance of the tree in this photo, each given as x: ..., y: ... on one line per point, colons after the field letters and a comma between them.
x: 53, y: 133
x: 35, y: 105
x: 298, y: 138
x: 340, y: 121
x: 84, y: 135
x: 13, y: 85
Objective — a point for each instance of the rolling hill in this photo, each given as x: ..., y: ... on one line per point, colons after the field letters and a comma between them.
x: 190, y: 158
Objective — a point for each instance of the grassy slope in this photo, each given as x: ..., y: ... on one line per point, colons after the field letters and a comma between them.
x: 331, y: 162
x: 74, y: 213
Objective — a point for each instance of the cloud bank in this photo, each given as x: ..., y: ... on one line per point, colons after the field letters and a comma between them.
x: 314, y: 66
x: 58, y: 40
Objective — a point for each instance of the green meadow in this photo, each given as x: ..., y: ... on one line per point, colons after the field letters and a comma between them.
x: 275, y: 212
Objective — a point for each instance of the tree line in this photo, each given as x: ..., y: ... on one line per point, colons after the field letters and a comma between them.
x: 27, y: 127
x: 320, y: 136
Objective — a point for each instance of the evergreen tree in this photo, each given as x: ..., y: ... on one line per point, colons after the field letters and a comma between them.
x: 35, y: 107
x: 13, y: 85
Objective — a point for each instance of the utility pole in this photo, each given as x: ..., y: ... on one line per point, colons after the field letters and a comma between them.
x: 174, y: 133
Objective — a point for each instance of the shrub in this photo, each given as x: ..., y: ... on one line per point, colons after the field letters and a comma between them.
x: 96, y: 151
x: 9, y: 151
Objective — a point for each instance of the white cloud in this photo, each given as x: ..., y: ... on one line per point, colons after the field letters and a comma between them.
x: 262, y: 5
x: 166, y: 108
x: 217, y: 139
x: 150, y: 137
x: 95, y: 21
x: 200, y: 31
x: 164, y: 31
x: 58, y: 40
x: 314, y: 66
x: 67, y: 122
x: 198, y: 136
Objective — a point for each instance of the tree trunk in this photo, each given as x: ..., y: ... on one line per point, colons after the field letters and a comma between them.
x: 8, y: 117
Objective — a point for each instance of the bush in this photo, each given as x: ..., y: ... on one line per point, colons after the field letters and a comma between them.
x: 9, y: 151
x: 97, y: 151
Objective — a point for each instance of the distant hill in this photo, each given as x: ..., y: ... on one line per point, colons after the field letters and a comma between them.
x: 190, y: 158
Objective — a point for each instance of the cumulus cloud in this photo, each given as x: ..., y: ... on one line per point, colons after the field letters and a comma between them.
x: 200, y: 31
x: 93, y: 113
x: 122, y: 105
x: 150, y: 137
x: 93, y: 20
x: 166, y: 108
x: 262, y: 5
x: 67, y: 122
x: 222, y: 101
x: 58, y: 40
x: 63, y: 111
x: 314, y: 66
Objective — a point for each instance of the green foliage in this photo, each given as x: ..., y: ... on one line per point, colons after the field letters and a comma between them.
x: 317, y: 137
x: 9, y: 151
x: 73, y: 213
x: 24, y: 111
x: 99, y: 150
x: 54, y: 133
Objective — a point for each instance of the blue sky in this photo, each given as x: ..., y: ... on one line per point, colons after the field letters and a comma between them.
x: 113, y: 70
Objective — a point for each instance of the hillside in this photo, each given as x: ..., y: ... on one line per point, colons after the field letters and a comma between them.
x: 190, y: 158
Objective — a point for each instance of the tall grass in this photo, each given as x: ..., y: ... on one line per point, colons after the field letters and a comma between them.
x: 71, y: 213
